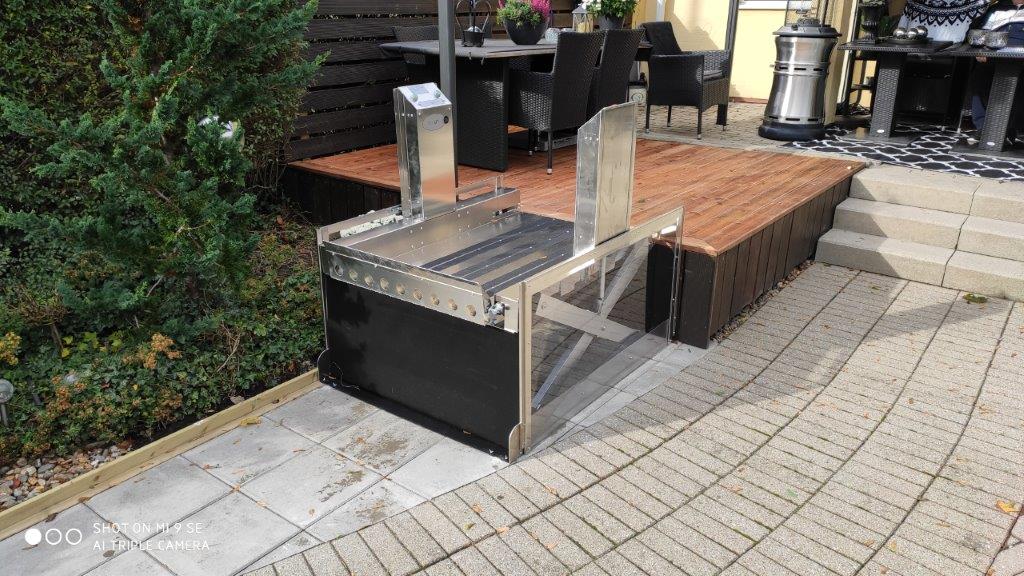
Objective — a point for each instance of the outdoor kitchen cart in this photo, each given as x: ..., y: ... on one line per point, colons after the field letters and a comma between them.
x: 500, y: 323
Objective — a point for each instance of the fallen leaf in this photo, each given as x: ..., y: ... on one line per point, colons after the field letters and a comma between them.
x: 312, y: 511
x: 261, y: 503
x: 975, y: 298
x: 469, y: 526
x: 883, y: 570
x: 207, y: 466
x: 1011, y: 508
x: 298, y: 450
x: 892, y: 545
x: 51, y: 517
x: 108, y: 553
x: 943, y: 523
x: 250, y: 421
x: 477, y: 508
x: 869, y: 543
x: 236, y: 399
x: 502, y: 529
x: 551, y: 490
x: 551, y: 546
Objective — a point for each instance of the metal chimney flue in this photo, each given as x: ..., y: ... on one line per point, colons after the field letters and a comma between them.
x: 606, y: 151
x: 426, y: 150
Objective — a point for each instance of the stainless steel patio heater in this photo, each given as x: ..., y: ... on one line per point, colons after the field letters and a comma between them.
x: 501, y: 323
x: 796, y: 105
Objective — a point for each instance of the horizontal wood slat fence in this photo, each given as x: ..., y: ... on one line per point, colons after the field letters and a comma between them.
x: 348, y: 105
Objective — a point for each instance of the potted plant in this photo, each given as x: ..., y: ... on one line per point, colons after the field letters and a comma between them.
x: 871, y: 13
x: 610, y: 13
x: 524, y: 20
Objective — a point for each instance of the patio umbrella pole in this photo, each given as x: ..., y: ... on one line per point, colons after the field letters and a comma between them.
x: 730, y: 29
x: 446, y: 55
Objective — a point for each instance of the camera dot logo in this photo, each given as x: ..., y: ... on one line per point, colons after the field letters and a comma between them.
x: 53, y: 536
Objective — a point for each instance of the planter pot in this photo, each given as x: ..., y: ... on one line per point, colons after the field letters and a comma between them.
x: 605, y: 22
x: 526, y: 34
x: 870, y: 16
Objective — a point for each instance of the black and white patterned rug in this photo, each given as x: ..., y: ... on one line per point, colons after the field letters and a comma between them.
x: 932, y: 151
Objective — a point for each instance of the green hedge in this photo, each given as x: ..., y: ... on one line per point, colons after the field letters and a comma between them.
x: 147, y: 276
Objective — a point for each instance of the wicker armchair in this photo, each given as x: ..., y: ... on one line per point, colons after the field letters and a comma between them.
x: 678, y: 78
x: 420, y: 69
x: 556, y: 100
x: 611, y: 77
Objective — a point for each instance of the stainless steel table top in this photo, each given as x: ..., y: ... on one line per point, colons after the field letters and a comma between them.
x: 492, y: 48
x: 930, y: 47
x: 966, y: 51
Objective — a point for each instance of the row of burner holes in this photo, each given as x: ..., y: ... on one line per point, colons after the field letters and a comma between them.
x: 384, y: 284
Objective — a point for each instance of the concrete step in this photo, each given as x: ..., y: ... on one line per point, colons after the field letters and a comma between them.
x: 921, y: 225
x: 921, y: 188
x: 1000, y: 201
x: 900, y: 258
x: 986, y: 275
x: 990, y: 237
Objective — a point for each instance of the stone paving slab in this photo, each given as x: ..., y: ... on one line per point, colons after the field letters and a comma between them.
x: 856, y: 424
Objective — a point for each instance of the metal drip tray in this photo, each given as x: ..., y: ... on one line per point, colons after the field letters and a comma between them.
x: 501, y: 253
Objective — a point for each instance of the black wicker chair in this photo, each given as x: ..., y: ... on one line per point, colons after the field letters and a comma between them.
x: 556, y: 100
x: 611, y: 77
x: 420, y: 69
x: 680, y: 78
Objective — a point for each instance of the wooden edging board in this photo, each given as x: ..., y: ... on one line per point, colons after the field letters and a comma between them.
x: 83, y: 487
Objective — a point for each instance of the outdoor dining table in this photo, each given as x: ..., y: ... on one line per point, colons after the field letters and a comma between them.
x: 890, y: 60
x: 481, y: 85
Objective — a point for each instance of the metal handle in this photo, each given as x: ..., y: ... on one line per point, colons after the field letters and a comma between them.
x: 488, y: 17
x: 455, y: 12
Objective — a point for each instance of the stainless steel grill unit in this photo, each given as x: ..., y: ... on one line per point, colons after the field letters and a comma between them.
x: 501, y: 323
x: 796, y: 104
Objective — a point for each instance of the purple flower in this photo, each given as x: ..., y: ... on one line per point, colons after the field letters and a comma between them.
x: 543, y: 7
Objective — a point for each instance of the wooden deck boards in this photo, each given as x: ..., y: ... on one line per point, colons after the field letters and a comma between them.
x: 728, y: 195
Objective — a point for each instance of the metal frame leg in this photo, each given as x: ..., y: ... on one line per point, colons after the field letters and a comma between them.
x: 482, y: 127
x: 647, y: 123
x: 888, y: 73
x: 551, y: 150
x: 1000, y: 106
x: 700, y: 122
x: 669, y: 121
x: 723, y: 115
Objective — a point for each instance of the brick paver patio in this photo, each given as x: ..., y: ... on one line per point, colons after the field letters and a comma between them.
x: 856, y: 424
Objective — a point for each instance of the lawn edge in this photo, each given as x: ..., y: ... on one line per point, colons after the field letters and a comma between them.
x: 83, y: 487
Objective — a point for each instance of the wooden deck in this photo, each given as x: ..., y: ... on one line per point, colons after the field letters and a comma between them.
x: 727, y: 194
x: 750, y: 216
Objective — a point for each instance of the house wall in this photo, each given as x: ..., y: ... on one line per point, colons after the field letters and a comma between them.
x: 701, y: 24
